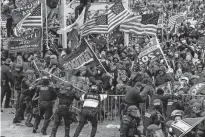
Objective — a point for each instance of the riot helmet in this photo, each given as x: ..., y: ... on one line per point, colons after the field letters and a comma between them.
x: 133, y: 111
x: 45, y: 80
x: 94, y: 89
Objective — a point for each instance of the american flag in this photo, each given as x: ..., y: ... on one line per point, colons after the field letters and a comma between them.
x: 96, y: 25
x: 176, y: 19
x: 34, y: 20
x: 116, y: 15
x: 141, y: 25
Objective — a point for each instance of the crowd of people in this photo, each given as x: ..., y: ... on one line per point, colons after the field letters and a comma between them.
x: 33, y: 82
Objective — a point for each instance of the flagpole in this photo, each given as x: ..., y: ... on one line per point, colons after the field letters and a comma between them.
x: 64, y: 81
x: 96, y: 56
x: 46, y: 8
x: 162, y: 21
x: 98, y: 59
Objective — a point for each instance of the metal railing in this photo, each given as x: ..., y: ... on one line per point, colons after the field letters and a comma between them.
x: 110, y: 108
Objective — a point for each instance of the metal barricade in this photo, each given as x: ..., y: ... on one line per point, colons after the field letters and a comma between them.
x: 110, y: 108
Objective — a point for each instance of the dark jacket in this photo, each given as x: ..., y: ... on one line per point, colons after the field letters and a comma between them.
x: 132, y: 96
x: 66, y: 97
x: 6, y: 75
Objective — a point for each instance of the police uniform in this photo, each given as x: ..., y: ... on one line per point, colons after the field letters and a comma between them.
x: 90, y: 110
x: 47, y: 95
x: 153, y: 116
x: 172, y: 105
x: 129, y: 122
x: 66, y: 97
x: 18, y: 77
x: 6, y: 78
x: 25, y: 96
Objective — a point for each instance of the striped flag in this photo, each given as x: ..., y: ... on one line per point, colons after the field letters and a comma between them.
x: 35, y: 19
x: 32, y: 19
x: 182, y: 127
x: 176, y: 19
x: 116, y: 15
x: 96, y: 25
x: 147, y: 25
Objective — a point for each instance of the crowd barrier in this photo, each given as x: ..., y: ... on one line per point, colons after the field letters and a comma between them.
x: 110, y: 107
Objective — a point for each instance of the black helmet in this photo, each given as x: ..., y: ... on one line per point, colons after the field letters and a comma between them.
x: 45, y: 80
x: 133, y: 111
x: 94, y: 88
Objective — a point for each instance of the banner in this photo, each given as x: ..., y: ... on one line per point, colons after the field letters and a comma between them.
x: 151, y: 52
x: 20, y: 13
x: 29, y: 42
x: 80, y: 57
x: 197, y: 89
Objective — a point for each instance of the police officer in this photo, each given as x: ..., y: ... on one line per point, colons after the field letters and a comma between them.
x: 66, y: 96
x: 129, y: 122
x: 6, y: 78
x: 90, y: 109
x: 163, y: 97
x: 24, y: 97
x: 173, y: 104
x: 154, y: 131
x: 47, y: 95
x: 18, y: 77
x: 153, y: 115
x: 177, y: 115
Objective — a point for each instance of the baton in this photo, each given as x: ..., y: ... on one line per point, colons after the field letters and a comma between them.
x: 64, y: 81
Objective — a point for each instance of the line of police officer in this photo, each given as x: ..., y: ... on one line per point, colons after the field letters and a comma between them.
x: 38, y: 97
